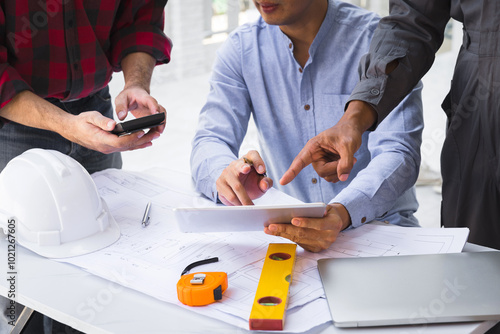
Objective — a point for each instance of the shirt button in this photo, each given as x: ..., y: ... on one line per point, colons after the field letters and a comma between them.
x: 363, y: 220
x: 75, y: 66
x: 307, y: 107
x: 314, y: 180
x: 374, y: 91
x: 300, y: 69
x: 290, y: 45
x: 70, y: 23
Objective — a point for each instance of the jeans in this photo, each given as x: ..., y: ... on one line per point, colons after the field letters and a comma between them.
x: 16, y: 138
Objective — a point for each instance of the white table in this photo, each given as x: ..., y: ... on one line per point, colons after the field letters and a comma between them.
x: 95, y: 305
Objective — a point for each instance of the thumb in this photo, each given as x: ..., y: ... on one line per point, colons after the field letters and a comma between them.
x: 345, y: 163
x: 103, y: 122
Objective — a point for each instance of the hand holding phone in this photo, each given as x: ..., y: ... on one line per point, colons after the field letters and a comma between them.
x: 138, y: 124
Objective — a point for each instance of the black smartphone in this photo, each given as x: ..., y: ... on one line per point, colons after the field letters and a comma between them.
x: 138, y: 124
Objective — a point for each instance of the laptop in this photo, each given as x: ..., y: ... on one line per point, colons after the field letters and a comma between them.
x: 413, y: 289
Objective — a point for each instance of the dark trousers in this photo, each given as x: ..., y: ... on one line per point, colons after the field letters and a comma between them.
x: 470, y: 160
x: 16, y: 138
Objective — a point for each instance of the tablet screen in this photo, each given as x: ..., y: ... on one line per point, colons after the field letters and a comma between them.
x: 242, y: 218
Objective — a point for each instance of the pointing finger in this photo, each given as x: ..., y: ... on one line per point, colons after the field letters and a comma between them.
x: 303, y: 159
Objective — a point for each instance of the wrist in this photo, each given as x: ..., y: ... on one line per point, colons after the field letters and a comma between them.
x: 59, y: 121
x: 344, y: 215
x: 361, y: 115
x: 137, y: 70
x: 137, y: 85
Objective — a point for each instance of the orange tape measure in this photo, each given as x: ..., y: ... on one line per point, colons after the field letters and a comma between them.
x: 202, y: 288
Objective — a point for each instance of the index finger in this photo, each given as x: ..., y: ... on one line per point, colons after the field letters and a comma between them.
x: 121, y: 106
x: 320, y: 224
x: 146, y: 100
x: 303, y: 159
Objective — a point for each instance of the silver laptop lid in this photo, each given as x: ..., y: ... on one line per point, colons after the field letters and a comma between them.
x: 415, y: 289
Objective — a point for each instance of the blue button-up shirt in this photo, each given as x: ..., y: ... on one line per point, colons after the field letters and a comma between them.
x: 255, y: 73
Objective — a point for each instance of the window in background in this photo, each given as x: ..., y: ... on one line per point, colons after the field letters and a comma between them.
x: 223, y: 16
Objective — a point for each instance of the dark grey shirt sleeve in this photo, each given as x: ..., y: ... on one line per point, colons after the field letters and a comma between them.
x: 411, y: 34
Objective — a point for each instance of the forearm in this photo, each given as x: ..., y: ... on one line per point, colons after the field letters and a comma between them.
x: 216, y: 142
x: 360, y: 115
x: 394, y: 149
x: 138, y: 69
x: 208, y: 159
x: 401, y: 52
x: 28, y: 109
x: 376, y: 188
x: 90, y: 129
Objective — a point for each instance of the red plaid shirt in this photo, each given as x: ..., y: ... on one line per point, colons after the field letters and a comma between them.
x: 68, y: 49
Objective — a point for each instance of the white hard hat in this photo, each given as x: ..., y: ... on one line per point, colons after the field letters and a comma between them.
x: 55, y: 205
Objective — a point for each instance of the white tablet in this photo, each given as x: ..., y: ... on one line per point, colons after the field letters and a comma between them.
x: 242, y: 218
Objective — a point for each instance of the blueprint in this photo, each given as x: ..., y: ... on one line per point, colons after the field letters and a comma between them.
x: 150, y: 259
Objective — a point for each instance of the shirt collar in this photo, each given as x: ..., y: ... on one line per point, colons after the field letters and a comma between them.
x: 324, y: 29
x: 322, y: 32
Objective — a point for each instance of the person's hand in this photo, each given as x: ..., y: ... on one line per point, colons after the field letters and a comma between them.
x: 314, y: 234
x: 331, y: 153
x: 138, y: 101
x: 91, y: 129
x: 243, y: 180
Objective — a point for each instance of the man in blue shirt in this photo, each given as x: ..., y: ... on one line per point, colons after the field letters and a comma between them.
x: 293, y: 70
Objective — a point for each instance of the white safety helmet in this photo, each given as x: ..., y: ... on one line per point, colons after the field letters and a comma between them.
x: 55, y: 205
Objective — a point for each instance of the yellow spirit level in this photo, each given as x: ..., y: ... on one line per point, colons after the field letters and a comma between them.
x: 271, y: 298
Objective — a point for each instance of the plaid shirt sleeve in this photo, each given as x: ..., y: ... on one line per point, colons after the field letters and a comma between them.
x: 69, y: 49
x: 139, y: 28
x: 11, y: 82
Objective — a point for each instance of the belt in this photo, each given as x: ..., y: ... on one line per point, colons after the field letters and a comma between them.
x: 54, y: 99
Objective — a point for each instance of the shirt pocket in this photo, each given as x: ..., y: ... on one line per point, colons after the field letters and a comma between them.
x: 329, y: 113
x: 330, y: 110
